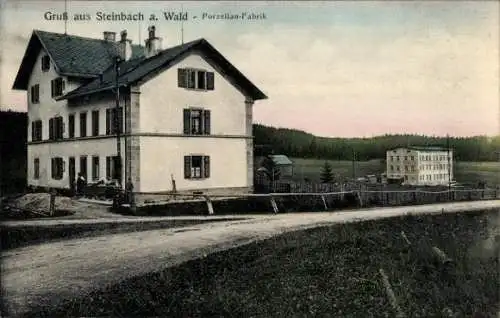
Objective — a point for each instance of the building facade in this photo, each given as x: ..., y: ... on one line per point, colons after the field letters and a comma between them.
x: 181, y: 116
x: 420, y: 165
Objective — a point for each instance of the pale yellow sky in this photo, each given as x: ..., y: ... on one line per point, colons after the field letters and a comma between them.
x: 332, y: 68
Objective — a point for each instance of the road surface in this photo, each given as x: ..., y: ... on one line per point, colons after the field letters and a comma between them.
x: 51, y: 272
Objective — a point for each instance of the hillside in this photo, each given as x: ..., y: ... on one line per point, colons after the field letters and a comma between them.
x: 12, y: 150
x: 296, y: 143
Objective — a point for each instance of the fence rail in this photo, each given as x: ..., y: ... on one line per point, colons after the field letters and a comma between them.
x: 321, y: 201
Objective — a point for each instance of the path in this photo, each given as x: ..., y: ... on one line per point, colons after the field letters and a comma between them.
x: 50, y: 272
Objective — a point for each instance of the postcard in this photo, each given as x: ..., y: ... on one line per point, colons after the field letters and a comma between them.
x: 198, y: 158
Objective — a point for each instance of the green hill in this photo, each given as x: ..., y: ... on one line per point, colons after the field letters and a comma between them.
x: 297, y: 143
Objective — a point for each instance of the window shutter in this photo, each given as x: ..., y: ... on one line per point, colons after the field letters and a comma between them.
x: 206, y: 122
x: 108, y: 119
x: 210, y: 81
x: 108, y: 167
x: 181, y: 77
x: 206, y: 167
x: 63, y: 85
x: 191, y: 81
x: 52, y: 168
x: 187, y: 167
x: 52, y: 88
x: 187, y: 121
x: 33, y: 127
x: 51, y: 128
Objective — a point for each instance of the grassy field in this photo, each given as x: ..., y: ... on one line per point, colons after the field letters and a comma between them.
x: 465, y: 172
x: 332, y: 271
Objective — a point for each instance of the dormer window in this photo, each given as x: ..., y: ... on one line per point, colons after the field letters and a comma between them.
x: 195, y: 79
x: 57, y: 86
x: 45, y: 63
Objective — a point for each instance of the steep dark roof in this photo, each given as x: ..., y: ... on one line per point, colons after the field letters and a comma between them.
x: 429, y: 148
x: 72, y: 55
x: 424, y: 148
x: 137, y: 69
x: 88, y: 58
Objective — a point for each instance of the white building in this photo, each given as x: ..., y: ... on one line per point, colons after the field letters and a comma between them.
x: 187, y: 110
x: 420, y: 165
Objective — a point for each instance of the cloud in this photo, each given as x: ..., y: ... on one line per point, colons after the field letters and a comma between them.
x: 432, y: 73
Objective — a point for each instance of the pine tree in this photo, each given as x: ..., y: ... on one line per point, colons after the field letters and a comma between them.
x: 326, y: 175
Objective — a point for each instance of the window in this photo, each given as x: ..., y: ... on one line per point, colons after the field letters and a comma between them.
x: 57, y: 168
x: 57, y: 87
x: 196, y: 122
x: 114, y: 122
x: 392, y: 168
x: 196, y: 167
x: 36, y: 130
x: 35, y: 94
x: 83, y: 166
x: 83, y: 124
x: 95, y: 168
x: 195, y: 79
x: 71, y: 126
x: 397, y: 158
x: 45, y: 63
x: 406, y: 158
x: 392, y: 158
x: 95, y: 123
x: 36, y: 168
x: 113, y: 168
x: 56, y: 128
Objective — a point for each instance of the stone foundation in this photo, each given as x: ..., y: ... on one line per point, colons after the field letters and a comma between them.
x: 145, y: 198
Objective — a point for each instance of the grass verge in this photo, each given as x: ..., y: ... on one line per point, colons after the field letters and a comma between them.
x: 332, y: 271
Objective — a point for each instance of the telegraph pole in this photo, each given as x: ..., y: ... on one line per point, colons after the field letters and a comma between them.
x: 449, y: 166
x: 118, y: 123
x: 353, y: 165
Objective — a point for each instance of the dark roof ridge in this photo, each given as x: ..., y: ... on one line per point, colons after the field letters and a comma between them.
x: 77, y: 36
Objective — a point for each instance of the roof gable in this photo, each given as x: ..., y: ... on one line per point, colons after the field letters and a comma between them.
x: 281, y: 160
x: 71, y: 55
x: 140, y: 69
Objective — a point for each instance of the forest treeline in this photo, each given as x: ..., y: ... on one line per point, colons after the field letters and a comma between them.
x: 292, y: 142
x: 296, y: 143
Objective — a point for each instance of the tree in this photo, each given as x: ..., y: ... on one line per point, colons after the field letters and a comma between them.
x: 326, y: 175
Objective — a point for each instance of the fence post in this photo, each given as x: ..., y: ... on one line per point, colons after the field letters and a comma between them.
x: 324, y: 202
x: 209, y: 205
x: 52, y: 205
x: 274, y: 205
x: 360, y: 199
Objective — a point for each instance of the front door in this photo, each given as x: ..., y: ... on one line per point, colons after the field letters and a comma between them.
x: 72, y: 174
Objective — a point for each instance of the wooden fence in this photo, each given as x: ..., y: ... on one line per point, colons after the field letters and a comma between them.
x: 320, y: 201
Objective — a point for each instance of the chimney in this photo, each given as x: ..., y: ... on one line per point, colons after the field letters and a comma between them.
x: 125, y: 46
x: 109, y: 36
x: 153, y: 43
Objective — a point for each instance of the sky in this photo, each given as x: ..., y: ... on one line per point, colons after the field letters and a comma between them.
x: 336, y: 68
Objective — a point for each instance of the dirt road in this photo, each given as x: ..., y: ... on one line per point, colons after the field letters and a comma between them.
x: 52, y: 272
